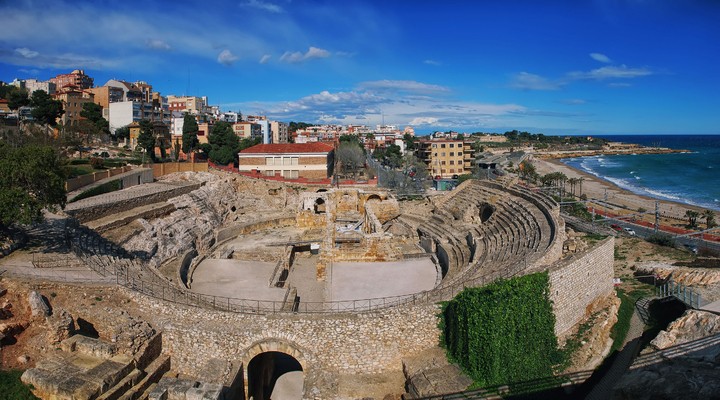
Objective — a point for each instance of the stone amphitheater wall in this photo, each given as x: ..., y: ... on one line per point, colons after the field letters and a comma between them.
x: 370, y: 342
x: 98, y: 211
x: 579, y: 281
x: 243, y: 229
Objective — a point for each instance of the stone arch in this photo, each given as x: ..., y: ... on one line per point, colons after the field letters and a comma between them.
x: 321, y: 190
x: 486, y: 212
x: 271, y: 345
x: 319, y: 206
x: 374, y: 197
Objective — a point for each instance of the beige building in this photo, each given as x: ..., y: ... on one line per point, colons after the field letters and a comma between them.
x: 247, y: 130
x: 73, y: 99
x: 279, y: 132
x: 313, y: 161
x: 446, y: 158
x: 191, y: 104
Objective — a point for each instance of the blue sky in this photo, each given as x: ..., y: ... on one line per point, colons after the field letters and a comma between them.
x: 557, y: 67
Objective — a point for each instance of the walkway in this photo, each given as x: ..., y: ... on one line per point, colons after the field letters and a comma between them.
x: 604, y: 389
x: 75, y: 193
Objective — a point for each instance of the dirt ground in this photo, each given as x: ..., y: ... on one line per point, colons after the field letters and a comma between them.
x: 27, y: 342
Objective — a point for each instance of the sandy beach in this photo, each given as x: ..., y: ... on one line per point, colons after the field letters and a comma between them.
x: 619, y: 201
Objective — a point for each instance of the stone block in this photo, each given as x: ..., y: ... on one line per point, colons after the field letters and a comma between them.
x: 38, y: 305
x: 60, y: 326
x: 89, y: 346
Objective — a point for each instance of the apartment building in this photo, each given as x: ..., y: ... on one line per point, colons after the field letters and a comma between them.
x: 73, y: 99
x: 77, y: 78
x: 191, y: 104
x: 279, y: 132
x: 444, y: 157
x: 247, y: 130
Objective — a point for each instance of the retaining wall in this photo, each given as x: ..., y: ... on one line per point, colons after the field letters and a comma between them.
x: 577, y: 282
x: 84, y: 180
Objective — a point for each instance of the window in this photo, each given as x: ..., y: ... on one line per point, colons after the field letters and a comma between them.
x: 442, y: 171
x: 452, y: 170
x: 442, y: 145
x: 452, y: 154
x: 452, y: 145
x: 460, y: 145
x: 269, y: 173
x: 452, y: 162
x: 268, y: 161
x: 442, y: 154
x: 290, y: 174
x: 443, y: 162
x: 459, y: 162
x: 434, y: 146
x: 293, y: 161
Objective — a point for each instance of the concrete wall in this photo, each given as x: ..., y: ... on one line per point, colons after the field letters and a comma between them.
x: 161, y: 169
x: 84, y: 180
x: 577, y: 282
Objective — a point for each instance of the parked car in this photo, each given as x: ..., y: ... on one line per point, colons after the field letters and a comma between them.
x: 691, y: 248
x: 616, y: 227
x: 629, y: 231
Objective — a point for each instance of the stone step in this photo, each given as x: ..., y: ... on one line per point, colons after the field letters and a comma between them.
x: 154, y: 371
x: 122, y: 387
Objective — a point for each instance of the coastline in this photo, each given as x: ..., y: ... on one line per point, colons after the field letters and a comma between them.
x: 619, y: 200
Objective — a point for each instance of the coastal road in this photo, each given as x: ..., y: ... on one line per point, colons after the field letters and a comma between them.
x: 644, y: 232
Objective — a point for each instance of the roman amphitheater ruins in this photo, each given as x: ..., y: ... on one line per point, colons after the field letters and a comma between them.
x: 238, y: 286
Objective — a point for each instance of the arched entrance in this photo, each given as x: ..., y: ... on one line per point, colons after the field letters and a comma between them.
x: 273, y: 368
x: 275, y: 375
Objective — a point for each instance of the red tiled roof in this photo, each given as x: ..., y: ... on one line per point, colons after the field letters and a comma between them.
x: 285, y: 148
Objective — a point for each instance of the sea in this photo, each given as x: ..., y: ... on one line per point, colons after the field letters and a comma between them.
x: 691, y: 178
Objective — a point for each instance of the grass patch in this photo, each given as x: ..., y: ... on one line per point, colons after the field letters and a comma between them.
x: 73, y: 171
x: 98, y: 190
x: 622, y: 326
x: 11, y: 388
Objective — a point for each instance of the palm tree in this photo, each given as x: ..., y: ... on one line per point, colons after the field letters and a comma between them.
x: 692, y: 217
x: 580, y: 181
x: 709, y: 216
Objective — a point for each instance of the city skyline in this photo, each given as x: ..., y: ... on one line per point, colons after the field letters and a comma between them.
x: 589, y: 67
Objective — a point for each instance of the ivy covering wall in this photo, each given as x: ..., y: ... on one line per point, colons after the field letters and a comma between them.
x: 503, y: 332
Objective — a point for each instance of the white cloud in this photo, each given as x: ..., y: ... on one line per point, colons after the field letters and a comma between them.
x: 600, y: 57
x: 262, y: 5
x: 27, y: 53
x: 432, y: 62
x: 423, y: 121
x: 528, y: 81
x: 298, y: 57
x: 372, y: 102
x: 574, y: 102
x: 611, y: 72
x: 405, y: 86
x: 157, y: 44
x: 265, y: 58
x: 226, y: 57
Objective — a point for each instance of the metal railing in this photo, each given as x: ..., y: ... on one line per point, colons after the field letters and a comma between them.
x: 681, y: 292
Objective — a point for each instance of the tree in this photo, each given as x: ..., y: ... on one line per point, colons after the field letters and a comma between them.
x: 224, y: 143
x: 122, y: 133
x: 350, y: 156
x: 692, y: 217
x: 17, y: 98
x: 45, y: 110
x: 31, y: 178
x: 189, y: 136
x: 97, y: 124
x: 709, y: 216
x: 527, y: 170
x: 409, y: 141
x: 176, y: 150
x: 146, y: 138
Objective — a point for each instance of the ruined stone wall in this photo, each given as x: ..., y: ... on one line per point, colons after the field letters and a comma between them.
x: 579, y: 281
x: 370, y: 342
x: 385, y: 210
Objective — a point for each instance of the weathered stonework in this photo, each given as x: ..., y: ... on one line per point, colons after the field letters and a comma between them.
x: 578, y: 282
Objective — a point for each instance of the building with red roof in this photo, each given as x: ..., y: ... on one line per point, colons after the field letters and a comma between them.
x: 312, y: 161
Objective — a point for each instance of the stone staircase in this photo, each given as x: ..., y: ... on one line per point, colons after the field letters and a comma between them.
x: 86, y: 368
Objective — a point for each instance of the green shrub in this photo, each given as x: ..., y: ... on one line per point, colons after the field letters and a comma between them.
x: 98, y: 190
x: 97, y: 162
x: 662, y: 239
x: 11, y: 388
x: 503, y: 332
